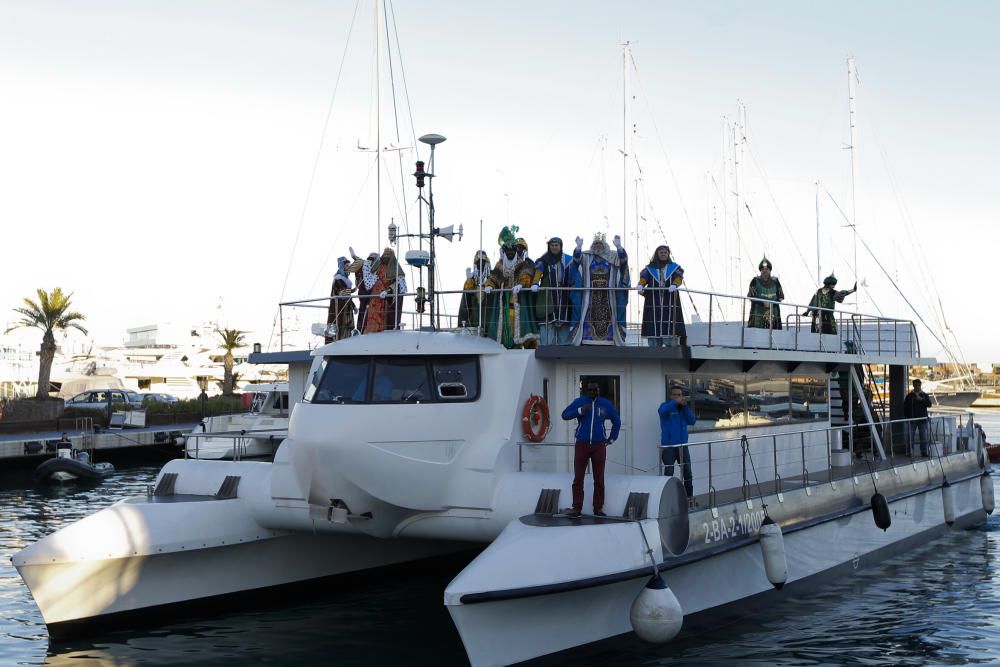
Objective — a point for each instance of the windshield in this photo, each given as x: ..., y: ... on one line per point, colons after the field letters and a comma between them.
x: 398, y: 379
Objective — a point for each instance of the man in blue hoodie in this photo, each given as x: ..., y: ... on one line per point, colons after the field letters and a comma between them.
x: 675, y: 417
x: 590, y: 412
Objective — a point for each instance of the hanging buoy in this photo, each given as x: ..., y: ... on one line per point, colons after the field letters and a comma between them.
x: 772, y: 547
x: 656, y: 615
x: 880, y: 511
x: 948, y: 500
x: 986, y: 489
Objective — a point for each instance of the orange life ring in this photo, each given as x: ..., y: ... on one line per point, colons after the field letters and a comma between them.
x: 535, y: 419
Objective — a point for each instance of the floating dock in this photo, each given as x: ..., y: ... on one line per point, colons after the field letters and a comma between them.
x: 20, y: 448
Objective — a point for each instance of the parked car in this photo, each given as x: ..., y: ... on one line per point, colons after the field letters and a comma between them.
x: 97, y: 399
x: 155, y: 397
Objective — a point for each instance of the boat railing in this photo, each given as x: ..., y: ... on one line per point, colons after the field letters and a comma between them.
x: 549, y: 316
x: 241, y: 439
x: 784, y: 460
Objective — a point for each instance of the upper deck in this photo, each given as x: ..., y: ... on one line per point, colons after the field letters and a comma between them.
x: 716, y: 329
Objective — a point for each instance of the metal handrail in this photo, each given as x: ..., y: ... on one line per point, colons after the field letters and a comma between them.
x: 850, y: 324
x: 938, y: 434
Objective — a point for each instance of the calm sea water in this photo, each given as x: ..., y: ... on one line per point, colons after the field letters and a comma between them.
x: 937, y: 605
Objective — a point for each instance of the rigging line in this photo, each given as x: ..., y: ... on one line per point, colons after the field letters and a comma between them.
x: 848, y: 260
x: 336, y: 239
x: 398, y: 200
x: 402, y: 73
x: 663, y: 235
x: 670, y: 167
x: 774, y: 202
x: 742, y: 244
x: 761, y: 235
x: 315, y: 167
x: 917, y: 249
x: 395, y: 115
x: 930, y: 330
x: 604, y: 178
x: 597, y: 150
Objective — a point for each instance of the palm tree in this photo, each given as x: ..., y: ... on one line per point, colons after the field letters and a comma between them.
x: 49, y: 313
x: 231, y: 339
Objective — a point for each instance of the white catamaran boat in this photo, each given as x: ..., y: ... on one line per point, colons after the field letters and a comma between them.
x: 253, y: 434
x: 411, y: 444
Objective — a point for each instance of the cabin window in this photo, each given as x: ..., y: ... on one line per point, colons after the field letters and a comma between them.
x: 455, y: 378
x: 400, y: 380
x: 809, y: 400
x: 768, y: 400
x: 314, y: 382
x: 341, y: 380
x: 397, y: 379
x: 721, y: 402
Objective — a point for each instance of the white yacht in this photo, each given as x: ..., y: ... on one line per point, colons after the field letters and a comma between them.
x: 253, y: 434
x: 412, y: 444
x: 409, y: 444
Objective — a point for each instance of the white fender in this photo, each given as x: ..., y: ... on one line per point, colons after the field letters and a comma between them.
x: 986, y: 489
x: 772, y: 548
x: 948, y: 501
x: 656, y: 614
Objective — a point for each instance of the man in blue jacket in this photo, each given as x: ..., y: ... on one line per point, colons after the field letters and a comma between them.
x: 675, y: 417
x: 590, y: 412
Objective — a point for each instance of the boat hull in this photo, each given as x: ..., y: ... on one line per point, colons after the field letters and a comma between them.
x: 65, y: 469
x: 956, y: 399
x: 509, y: 625
x: 114, y: 593
x: 154, y: 551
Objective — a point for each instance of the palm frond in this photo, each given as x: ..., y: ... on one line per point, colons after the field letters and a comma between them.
x: 48, y: 312
x: 231, y: 338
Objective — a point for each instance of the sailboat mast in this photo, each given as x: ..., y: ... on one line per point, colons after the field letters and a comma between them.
x: 819, y: 278
x: 378, y: 125
x: 625, y: 146
x: 738, y: 140
x: 852, y: 110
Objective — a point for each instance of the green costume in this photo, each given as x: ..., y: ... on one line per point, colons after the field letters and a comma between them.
x: 827, y: 297
x: 765, y: 315
x: 469, y: 307
x: 510, y: 317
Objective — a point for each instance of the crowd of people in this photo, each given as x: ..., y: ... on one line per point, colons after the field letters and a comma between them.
x: 557, y: 299
x: 380, y: 284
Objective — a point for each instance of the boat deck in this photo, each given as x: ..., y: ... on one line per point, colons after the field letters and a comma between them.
x: 766, y: 488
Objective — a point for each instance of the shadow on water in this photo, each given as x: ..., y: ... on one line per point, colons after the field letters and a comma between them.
x: 397, y: 620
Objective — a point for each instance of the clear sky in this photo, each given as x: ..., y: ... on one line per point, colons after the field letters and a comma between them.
x: 156, y: 157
